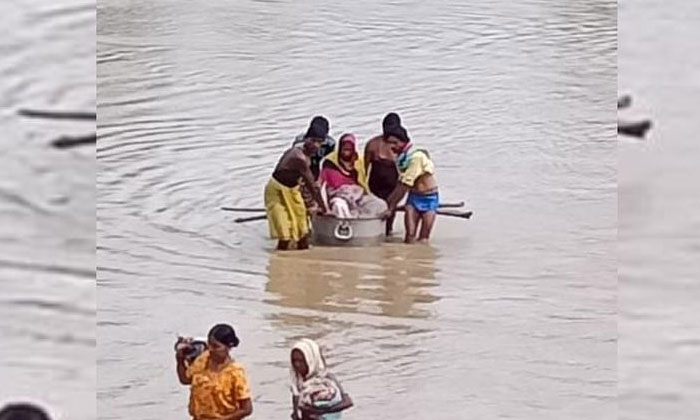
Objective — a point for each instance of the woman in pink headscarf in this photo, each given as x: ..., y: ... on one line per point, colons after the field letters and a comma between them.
x: 345, y: 179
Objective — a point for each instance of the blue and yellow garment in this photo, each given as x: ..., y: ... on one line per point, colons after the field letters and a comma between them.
x: 414, y: 163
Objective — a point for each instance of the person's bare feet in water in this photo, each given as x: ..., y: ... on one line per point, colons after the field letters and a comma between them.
x: 390, y: 225
x: 303, y: 243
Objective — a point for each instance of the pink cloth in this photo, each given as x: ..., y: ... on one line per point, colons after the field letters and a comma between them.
x: 335, y: 179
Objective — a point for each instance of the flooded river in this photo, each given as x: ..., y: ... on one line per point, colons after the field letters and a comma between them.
x: 47, y: 208
x: 512, y: 314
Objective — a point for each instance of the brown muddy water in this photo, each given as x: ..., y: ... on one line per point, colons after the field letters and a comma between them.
x: 512, y: 314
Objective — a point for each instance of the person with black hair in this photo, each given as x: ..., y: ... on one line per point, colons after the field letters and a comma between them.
x: 318, y: 127
x: 287, y: 211
x: 23, y: 411
x: 218, y: 384
x: 380, y: 162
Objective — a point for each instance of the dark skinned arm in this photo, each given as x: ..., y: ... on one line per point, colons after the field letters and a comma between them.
x: 295, y: 407
x: 245, y: 410
x: 182, y: 368
x: 396, y: 196
x: 311, y: 183
x: 368, y: 156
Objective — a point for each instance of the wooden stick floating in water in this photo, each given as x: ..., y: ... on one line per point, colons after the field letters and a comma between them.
x: 260, y: 209
x: 461, y: 215
x: 244, y: 209
x: 634, y: 129
x: 58, y: 115
x: 250, y: 219
x: 66, y: 142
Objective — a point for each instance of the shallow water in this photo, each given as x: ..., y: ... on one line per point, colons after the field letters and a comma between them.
x: 47, y: 209
x: 509, y: 315
x: 659, y: 225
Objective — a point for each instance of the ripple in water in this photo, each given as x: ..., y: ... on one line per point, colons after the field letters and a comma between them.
x: 197, y: 101
x: 47, y: 210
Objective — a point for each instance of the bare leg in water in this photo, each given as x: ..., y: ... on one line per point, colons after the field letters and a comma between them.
x: 427, y: 223
x: 411, y: 224
x: 390, y: 225
x: 303, y: 243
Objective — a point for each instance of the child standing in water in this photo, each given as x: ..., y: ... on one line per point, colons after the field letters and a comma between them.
x: 316, y: 393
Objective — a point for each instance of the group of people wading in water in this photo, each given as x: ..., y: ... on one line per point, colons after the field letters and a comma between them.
x: 318, y: 176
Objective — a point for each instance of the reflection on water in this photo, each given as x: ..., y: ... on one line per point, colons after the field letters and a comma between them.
x: 391, y: 281
x: 197, y: 100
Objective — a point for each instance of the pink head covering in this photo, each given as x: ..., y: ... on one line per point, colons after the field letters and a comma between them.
x: 348, y: 138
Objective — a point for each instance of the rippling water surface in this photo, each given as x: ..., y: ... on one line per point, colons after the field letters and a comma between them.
x: 509, y: 315
x: 47, y: 208
x: 659, y: 222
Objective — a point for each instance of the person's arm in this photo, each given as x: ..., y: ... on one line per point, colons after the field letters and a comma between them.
x: 241, y: 390
x: 396, y: 196
x: 407, y: 179
x: 244, y: 410
x: 368, y: 156
x: 295, y: 407
x: 182, y: 366
x: 308, y: 178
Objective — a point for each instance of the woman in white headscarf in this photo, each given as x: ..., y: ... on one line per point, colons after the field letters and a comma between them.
x: 316, y: 393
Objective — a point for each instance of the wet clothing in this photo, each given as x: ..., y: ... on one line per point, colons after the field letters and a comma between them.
x: 287, y: 177
x: 423, y: 202
x: 334, y: 178
x: 319, y: 388
x: 383, y: 177
x: 351, y: 202
x: 286, y: 211
x: 348, y: 191
x: 216, y: 394
x: 335, y: 175
x: 414, y: 163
